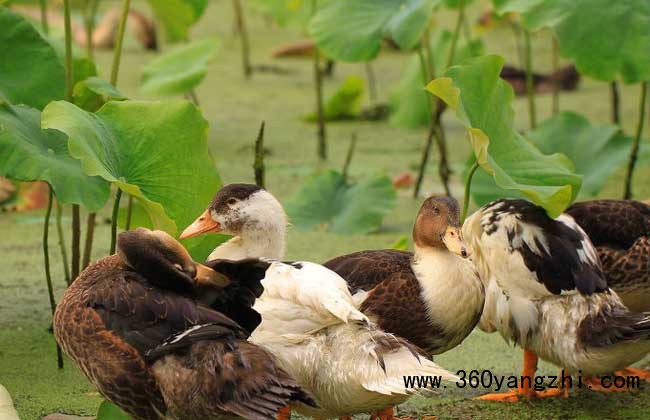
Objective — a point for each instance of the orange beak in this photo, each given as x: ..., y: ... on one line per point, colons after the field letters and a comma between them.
x: 203, y: 224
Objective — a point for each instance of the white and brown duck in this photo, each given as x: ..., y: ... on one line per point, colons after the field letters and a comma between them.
x: 547, y: 293
x: 310, y: 320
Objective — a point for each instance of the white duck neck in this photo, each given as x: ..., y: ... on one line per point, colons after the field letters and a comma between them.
x: 259, y: 240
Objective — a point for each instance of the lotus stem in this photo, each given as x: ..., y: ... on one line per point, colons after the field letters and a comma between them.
x: 116, y: 209
x: 115, y: 68
x: 90, y: 236
x: 348, y: 156
x: 69, y: 76
x: 556, y: 86
x: 48, y: 273
x: 318, y: 84
x: 76, y: 242
x: 425, y: 157
x: 64, y: 252
x: 468, y: 187
x: 372, y: 84
x: 530, y: 87
x: 456, y: 34
x: 129, y: 213
x: 44, y: 22
x: 240, y: 23
x: 615, y: 100
x: 90, y: 8
x: 258, y: 164
x: 637, y: 140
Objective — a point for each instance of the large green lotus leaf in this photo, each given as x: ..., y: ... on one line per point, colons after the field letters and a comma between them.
x: 90, y: 94
x: 483, y: 103
x: 409, y: 102
x: 109, y: 411
x: 177, y: 16
x: 288, y: 13
x: 28, y: 153
x: 596, y: 151
x: 354, y: 30
x: 345, y: 104
x: 179, y: 70
x: 605, y: 38
x: 155, y: 151
x: 327, y: 200
x: 30, y: 71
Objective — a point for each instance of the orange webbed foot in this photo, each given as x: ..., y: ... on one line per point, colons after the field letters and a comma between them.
x: 509, y: 397
x: 386, y: 414
x: 630, y: 371
x: 284, y: 413
x: 595, y: 383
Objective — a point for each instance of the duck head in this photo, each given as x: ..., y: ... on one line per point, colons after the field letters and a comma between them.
x: 248, y: 212
x: 437, y: 225
x: 159, y: 257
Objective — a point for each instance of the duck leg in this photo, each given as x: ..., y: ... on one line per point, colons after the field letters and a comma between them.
x: 385, y: 414
x: 562, y: 389
x: 525, y: 388
x: 643, y: 374
x: 284, y: 413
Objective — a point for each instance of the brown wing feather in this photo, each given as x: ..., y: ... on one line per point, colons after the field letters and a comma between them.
x: 612, y: 223
x: 231, y: 376
x: 110, y: 363
x: 366, y: 269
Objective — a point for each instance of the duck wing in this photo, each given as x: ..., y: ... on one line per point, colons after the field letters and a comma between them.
x: 614, y: 224
x: 531, y: 254
x: 230, y: 375
x: 365, y: 270
x: 145, y: 316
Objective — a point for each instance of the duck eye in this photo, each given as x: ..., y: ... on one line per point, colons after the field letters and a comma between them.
x: 178, y: 267
x: 436, y: 210
x: 232, y: 201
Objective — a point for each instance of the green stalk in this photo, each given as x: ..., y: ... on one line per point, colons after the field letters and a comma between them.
x: 318, y: 84
x: 88, y: 27
x: 129, y: 213
x: 468, y: 186
x: 48, y: 274
x: 372, y: 84
x: 530, y: 87
x: 615, y: 99
x: 44, y: 22
x: 90, y: 236
x: 456, y: 35
x: 69, y: 77
x: 556, y: 86
x: 115, y: 68
x: 76, y: 242
x: 348, y: 156
x: 258, y: 163
x: 64, y: 252
x: 116, y: 208
x: 243, y: 33
x: 637, y: 140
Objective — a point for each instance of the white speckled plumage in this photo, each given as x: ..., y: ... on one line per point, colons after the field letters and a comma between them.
x: 310, y: 323
x: 523, y: 310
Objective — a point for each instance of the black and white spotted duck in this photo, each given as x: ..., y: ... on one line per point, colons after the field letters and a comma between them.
x: 163, y: 337
x: 546, y: 292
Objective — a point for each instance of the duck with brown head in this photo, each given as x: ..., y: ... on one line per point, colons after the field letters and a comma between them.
x: 433, y: 297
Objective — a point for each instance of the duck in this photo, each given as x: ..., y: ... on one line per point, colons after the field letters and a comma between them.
x: 169, y: 336
x: 310, y: 319
x: 547, y: 293
x: 620, y: 230
x: 433, y: 297
x: 7, y: 410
